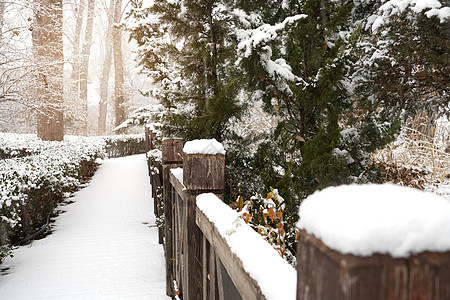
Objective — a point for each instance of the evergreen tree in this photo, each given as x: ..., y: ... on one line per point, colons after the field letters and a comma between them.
x: 188, y: 50
x: 302, y: 59
x: 405, y: 61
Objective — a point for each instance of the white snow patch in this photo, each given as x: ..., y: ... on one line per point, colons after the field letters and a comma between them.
x: 204, y: 146
x: 156, y: 154
x: 343, y: 155
x: 367, y: 219
x: 178, y: 173
x: 259, y: 259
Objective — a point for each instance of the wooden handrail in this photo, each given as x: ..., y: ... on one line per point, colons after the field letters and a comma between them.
x: 248, y: 288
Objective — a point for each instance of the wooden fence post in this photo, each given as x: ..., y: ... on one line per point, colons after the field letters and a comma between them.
x: 147, y: 137
x: 172, y: 150
x: 201, y: 173
x: 324, y: 273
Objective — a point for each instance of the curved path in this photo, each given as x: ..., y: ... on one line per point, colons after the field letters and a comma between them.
x: 105, y: 245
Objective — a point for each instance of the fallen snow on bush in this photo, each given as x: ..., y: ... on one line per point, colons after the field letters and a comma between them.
x: 367, y: 219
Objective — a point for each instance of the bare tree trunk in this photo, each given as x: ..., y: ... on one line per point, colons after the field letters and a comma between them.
x: 119, y: 94
x: 104, y: 83
x: 85, y: 62
x: 48, y: 46
x: 2, y: 11
x: 76, y: 50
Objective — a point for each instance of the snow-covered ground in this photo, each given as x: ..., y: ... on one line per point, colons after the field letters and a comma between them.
x: 104, y: 246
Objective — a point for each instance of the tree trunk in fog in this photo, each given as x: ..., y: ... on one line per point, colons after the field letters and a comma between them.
x: 85, y: 63
x: 104, y: 83
x: 48, y: 51
x: 76, y: 51
x: 119, y: 93
x: 2, y: 11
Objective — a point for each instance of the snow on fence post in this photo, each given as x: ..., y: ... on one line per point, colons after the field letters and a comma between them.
x: 172, y: 150
x: 374, y: 242
x: 203, y: 171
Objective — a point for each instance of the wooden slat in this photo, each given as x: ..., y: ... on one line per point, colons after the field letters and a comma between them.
x: 205, y: 260
x: 179, y: 188
x: 192, y: 252
x: 219, y: 279
x: 168, y: 228
x: 213, y: 291
x: 179, y: 258
x: 245, y: 284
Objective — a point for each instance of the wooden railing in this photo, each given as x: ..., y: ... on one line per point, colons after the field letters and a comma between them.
x: 200, y: 264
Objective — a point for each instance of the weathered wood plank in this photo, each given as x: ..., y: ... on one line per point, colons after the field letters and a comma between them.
x: 205, y: 260
x: 168, y: 228
x: 324, y: 273
x: 179, y: 258
x: 245, y: 284
x: 172, y: 151
x: 168, y: 195
x: 204, y: 172
x: 213, y: 289
x: 193, y: 252
x: 221, y: 292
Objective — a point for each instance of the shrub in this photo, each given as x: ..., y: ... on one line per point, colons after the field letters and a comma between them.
x: 31, y: 186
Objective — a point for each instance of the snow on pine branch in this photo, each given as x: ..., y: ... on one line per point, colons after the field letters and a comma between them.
x: 143, y: 115
x: 391, y: 8
x: 259, y: 40
x: 254, y: 38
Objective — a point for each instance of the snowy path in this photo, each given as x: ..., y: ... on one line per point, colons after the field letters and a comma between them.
x: 103, y: 247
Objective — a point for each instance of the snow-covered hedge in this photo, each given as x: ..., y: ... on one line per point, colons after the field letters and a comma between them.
x: 121, y: 145
x: 31, y: 185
